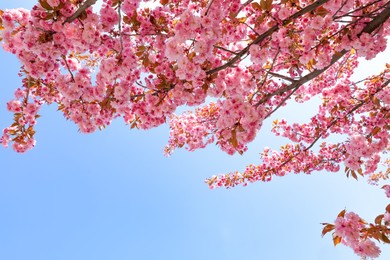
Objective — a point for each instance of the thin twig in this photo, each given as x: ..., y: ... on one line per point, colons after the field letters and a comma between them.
x: 224, y: 49
x: 120, y: 27
x: 208, y: 8
x: 79, y: 11
x: 67, y: 66
x: 281, y: 76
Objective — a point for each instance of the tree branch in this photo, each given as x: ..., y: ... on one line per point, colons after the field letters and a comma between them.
x: 120, y: 27
x: 79, y: 11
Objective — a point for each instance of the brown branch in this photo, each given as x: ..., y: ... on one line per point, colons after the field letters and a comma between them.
x: 120, y: 27
x: 281, y: 103
x: 276, y: 75
x: 79, y: 11
x: 208, y: 8
x: 224, y: 49
x: 67, y: 66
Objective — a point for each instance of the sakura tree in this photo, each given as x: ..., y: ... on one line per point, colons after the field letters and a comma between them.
x: 237, y: 62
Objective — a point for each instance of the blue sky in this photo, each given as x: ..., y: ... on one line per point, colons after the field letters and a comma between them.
x: 113, y: 195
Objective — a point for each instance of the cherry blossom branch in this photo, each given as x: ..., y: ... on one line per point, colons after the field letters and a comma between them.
x: 303, y: 80
x: 369, y: 28
x: 359, y: 105
x: 79, y: 11
x: 322, y: 134
x: 268, y: 33
x: 237, y: 178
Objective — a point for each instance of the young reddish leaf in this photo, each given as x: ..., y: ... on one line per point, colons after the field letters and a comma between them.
x: 140, y: 50
x: 388, y: 208
x: 256, y: 6
x: 375, y: 130
x: 353, y: 173
x: 336, y: 240
x: 321, y: 11
x: 234, y: 138
x: 1, y: 21
x: 45, y: 5
x: 242, y: 19
x: 385, y: 239
x: 260, y: 19
x: 327, y: 228
x: 341, y: 214
x: 266, y: 5
x: 126, y: 19
x: 115, y: 3
x: 164, y: 2
x: 378, y: 219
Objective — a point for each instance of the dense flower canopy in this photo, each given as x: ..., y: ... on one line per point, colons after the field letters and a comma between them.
x: 236, y: 61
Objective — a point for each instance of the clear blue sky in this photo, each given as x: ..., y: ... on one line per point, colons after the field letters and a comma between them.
x: 113, y: 195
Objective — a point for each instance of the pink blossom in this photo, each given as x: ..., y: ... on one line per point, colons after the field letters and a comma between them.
x: 387, y: 190
x: 367, y: 248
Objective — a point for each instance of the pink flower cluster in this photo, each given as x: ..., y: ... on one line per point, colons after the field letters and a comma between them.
x: 21, y: 132
x: 349, y: 228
